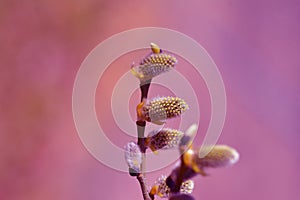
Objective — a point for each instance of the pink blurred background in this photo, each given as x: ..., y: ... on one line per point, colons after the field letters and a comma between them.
x: 254, y: 43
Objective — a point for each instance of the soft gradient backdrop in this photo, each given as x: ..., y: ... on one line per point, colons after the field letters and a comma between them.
x: 42, y: 44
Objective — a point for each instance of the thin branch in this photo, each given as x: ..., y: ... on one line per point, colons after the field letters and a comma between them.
x: 144, y: 86
x: 141, y: 142
x: 143, y: 185
x: 179, y: 176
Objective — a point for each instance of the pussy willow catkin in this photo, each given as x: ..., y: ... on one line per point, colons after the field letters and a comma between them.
x: 161, y: 108
x: 153, y: 65
x: 166, y: 138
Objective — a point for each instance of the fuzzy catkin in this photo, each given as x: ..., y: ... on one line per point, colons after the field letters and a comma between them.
x: 162, y: 108
x: 187, y: 187
x: 133, y: 156
x: 154, y: 65
x: 166, y: 138
x: 219, y: 156
x: 161, y: 188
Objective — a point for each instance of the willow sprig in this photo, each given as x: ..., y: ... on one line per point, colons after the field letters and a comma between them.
x: 178, y: 185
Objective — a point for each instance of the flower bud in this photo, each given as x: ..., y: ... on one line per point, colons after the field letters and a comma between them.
x: 154, y: 64
x: 155, y: 48
x: 187, y: 187
x: 161, y: 188
x: 159, y: 109
x: 218, y: 156
x: 187, y: 139
x: 133, y: 157
x: 164, y: 139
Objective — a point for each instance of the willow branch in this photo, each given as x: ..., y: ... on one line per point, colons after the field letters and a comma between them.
x: 143, y: 185
x: 179, y: 177
x: 141, y: 124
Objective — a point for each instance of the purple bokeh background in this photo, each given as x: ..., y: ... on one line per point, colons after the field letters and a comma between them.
x: 254, y: 43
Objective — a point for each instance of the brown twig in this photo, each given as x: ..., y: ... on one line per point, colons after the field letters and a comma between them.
x: 141, y: 124
x: 179, y: 177
x: 143, y: 185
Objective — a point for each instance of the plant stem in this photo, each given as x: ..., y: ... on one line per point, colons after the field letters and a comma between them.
x: 180, y: 175
x: 141, y: 142
x: 143, y: 185
x: 177, y: 177
x: 144, y: 86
